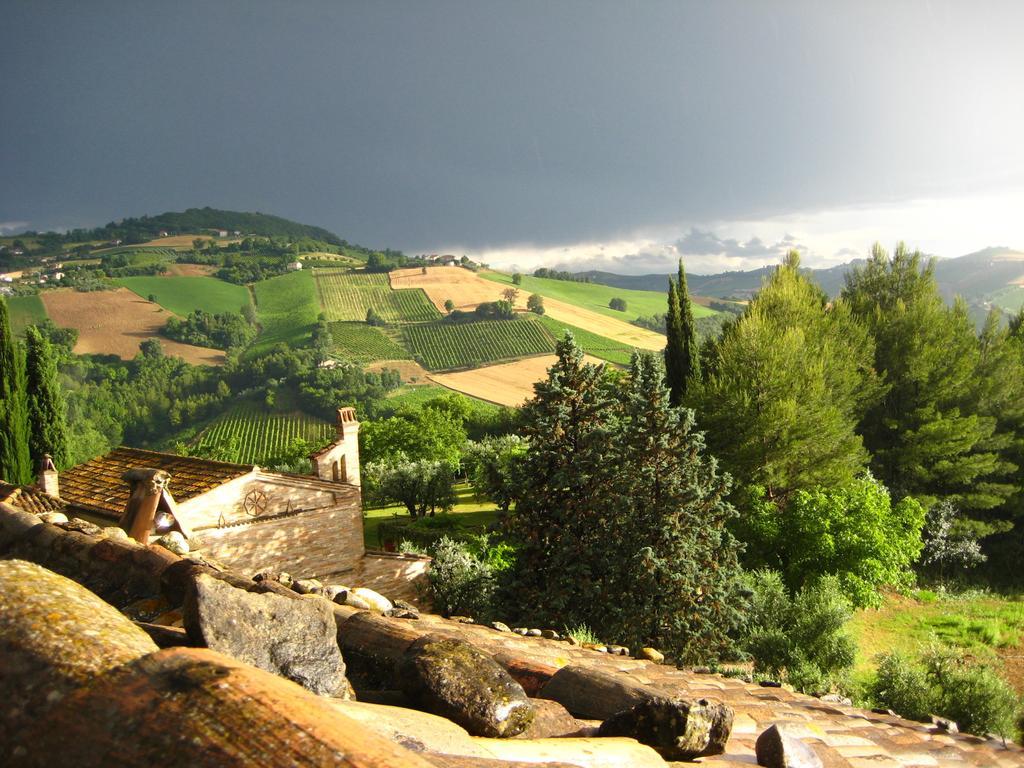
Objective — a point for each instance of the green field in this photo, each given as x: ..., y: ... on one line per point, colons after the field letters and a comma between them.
x: 182, y: 295
x: 348, y: 296
x: 25, y: 311
x: 287, y: 310
x: 363, y: 343
x: 591, y: 343
x: 1009, y: 299
x: 443, y: 346
x: 596, y: 297
x: 258, y: 434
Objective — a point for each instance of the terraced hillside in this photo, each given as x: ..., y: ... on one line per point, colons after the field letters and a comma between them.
x: 348, y: 295
x: 252, y: 434
x: 443, y: 346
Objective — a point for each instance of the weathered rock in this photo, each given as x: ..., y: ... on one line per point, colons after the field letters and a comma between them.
x: 291, y: 638
x: 194, y: 707
x: 55, y: 636
x: 534, y: 633
x: 549, y: 634
x: 113, y: 532
x: 174, y: 542
x: 596, y: 647
x: 462, y: 619
x: 375, y: 600
x: 551, y: 721
x: 618, y: 650
x: 676, y: 728
x: 652, y: 654
x: 82, y: 526
x: 401, y: 613
x: 355, y: 601
x: 521, y: 631
x: 835, y: 698
x: 53, y: 517
x: 373, y: 646
x: 453, y: 679
x: 945, y: 724
x: 307, y: 586
x: 777, y: 748
x: 335, y: 591
x: 404, y: 605
x: 593, y: 694
x: 500, y: 626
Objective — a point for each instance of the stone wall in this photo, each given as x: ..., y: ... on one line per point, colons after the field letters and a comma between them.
x: 400, y: 577
x: 305, y: 544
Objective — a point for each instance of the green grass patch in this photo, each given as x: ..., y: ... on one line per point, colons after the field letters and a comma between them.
x: 348, y: 296
x: 1009, y: 299
x: 363, y: 343
x: 978, y: 624
x: 473, y: 514
x: 287, y: 310
x: 444, y: 346
x: 596, y: 297
x: 183, y: 295
x: 260, y: 433
x: 591, y: 343
x: 25, y: 311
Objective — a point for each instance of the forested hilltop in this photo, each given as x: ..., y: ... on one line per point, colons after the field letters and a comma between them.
x: 143, y: 228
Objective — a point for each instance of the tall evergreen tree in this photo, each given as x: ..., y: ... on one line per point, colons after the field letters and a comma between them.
x: 781, y: 398
x: 678, y: 560
x: 927, y: 436
x: 690, y: 349
x: 565, y: 481
x: 674, y: 371
x: 46, y: 408
x: 15, y: 465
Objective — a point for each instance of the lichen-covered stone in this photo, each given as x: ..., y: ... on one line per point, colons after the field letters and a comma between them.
x: 291, y: 638
x: 55, y: 636
x: 174, y: 542
x: 677, y: 728
x: 453, y: 679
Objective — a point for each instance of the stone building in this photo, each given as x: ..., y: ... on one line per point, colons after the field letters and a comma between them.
x: 245, y: 517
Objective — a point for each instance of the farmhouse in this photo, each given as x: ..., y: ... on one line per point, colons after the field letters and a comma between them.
x: 242, y: 516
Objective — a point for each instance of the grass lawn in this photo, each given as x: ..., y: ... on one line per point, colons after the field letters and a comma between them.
x: 182, y: 295
x: 988, y: 627
x: 596, y: 297
x: 287, y: 310
x: 25, y: 311
x: 472, y: 512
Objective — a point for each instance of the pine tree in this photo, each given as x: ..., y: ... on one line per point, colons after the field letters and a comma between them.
x: 678, y: 561
x: 15, y: 465
x: 674, y: 373
x: 690, y: 349
x: 562, y: 491
x: 927, y: 436
x: 781, y: 398
x: 46, y: 408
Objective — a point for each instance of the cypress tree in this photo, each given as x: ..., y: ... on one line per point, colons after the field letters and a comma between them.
x: 15, y: 465
x: 46, y: 408
x: 674, y: 375
x: 690, y: 350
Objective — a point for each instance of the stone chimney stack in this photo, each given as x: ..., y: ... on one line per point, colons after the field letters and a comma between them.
x: 339, y: 462
x: 147, y: 486
x: 48, y: 480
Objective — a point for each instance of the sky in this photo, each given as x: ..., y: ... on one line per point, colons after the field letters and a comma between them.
x: 617, y: 135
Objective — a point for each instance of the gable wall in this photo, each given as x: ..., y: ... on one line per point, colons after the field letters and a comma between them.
x: 305, y: 544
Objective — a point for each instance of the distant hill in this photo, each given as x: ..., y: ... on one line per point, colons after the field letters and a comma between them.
x: 195, y: 220
x: 993, y: 276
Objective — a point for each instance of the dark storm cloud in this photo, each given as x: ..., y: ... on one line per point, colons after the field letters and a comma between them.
x: 418, y: 125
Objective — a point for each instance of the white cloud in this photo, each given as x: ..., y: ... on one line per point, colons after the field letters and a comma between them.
x: 12, y: 226
x: 946, y: 227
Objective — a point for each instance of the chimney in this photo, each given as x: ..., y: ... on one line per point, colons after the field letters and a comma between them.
x: 147, y: 487
x: 339, y: 462
x: 48, y: 481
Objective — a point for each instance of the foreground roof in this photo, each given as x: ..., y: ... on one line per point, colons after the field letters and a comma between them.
x: 30, y: 499
x: 97, y: 486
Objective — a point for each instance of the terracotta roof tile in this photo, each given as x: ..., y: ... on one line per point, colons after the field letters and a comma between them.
x: 97, y: 486
x: 30, y: 499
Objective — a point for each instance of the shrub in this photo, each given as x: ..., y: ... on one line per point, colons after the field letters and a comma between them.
x: 973, y: 695
x: 802, y: 638
x: 581, y: 633
x: 619, y: 305
x: 461, y: 583
x: 902, y: 687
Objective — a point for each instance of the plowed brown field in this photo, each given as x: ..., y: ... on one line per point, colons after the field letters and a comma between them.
x: 505, y: 383
x: 116, y: 322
